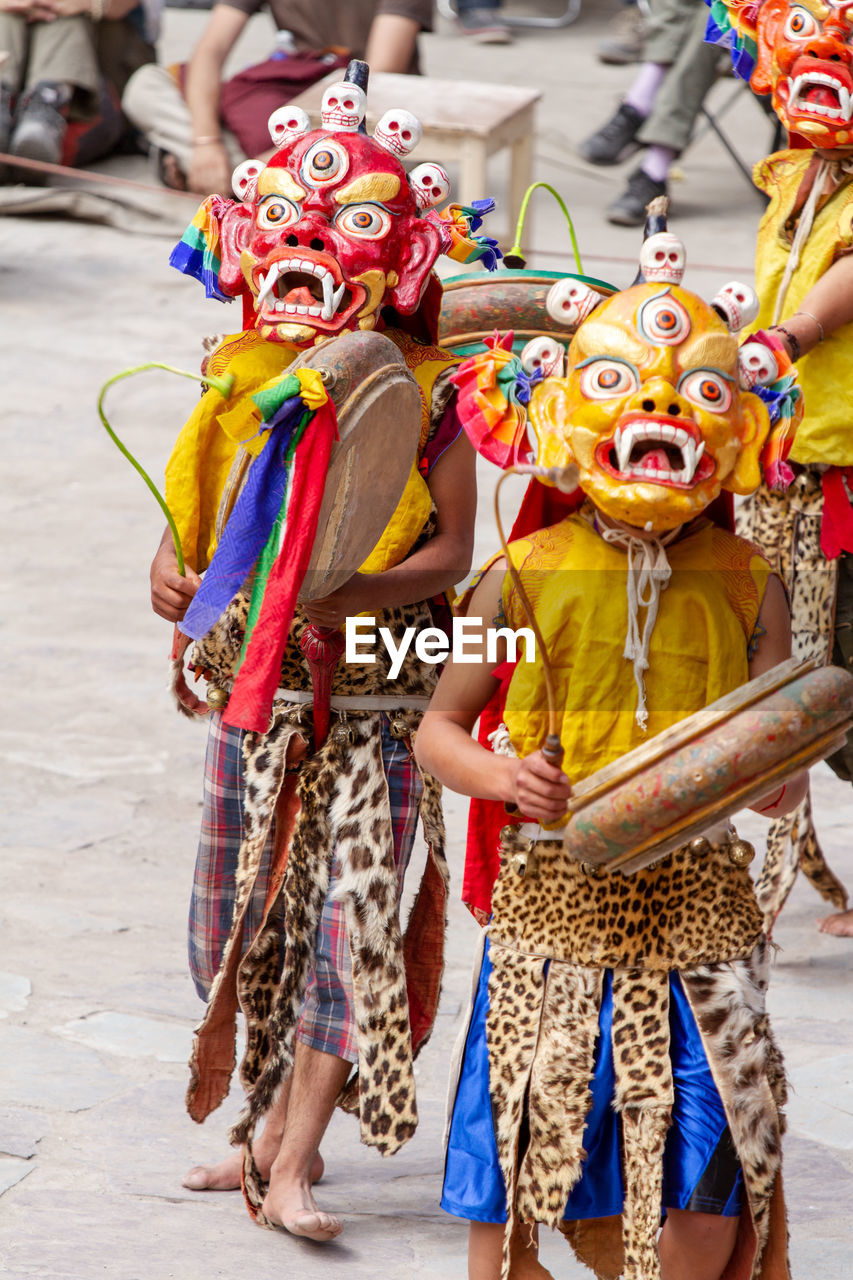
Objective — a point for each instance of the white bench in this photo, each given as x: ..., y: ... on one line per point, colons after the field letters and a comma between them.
x: 463, y: 122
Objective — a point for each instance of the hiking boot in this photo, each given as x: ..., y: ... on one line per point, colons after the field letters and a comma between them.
x: 40, y: 124
x: 484, y: 26
x: 630, y: 209
x: 625, y: 40
x: 615, y: 140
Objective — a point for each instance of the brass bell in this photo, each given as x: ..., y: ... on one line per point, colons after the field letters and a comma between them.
x: 400, y: 728
x: 217, y: 697
x: 592, y: 870
x: 741, y: 853
x: 525, y: 863
x: 700, y: 847
x: 342, y: 733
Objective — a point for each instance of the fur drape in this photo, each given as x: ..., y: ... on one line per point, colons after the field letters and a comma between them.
x: 786, y: 527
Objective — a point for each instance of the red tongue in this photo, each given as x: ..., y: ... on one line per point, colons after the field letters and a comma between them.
x: 655, y: 458
x: 820, y: 95
x: 301, y: 297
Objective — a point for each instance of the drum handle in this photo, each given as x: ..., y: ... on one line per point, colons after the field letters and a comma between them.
x: 564, y: 478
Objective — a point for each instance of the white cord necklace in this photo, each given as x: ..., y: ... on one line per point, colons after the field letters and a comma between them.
x: 649, y: 573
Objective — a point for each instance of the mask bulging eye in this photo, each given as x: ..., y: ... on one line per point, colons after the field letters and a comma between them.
x: 707, y: 389
x: 605, y: 379
x: 800, y: 24
x: 367, y: 221
x: 324, y: 163
x: 663, y: 319
x: 277, y: 212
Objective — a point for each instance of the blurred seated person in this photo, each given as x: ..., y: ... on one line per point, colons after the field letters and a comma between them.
x: 66, y: 66
x: 661, y: 107
x: 181, y: 114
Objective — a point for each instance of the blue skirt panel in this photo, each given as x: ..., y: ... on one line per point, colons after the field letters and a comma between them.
x: 701, y: 1169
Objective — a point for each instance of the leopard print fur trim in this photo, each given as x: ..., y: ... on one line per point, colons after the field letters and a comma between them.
x: 360, y: 829
x: 643, y: 1137
x: 272, y: 1004
x: 682, y: 911
x: 516, y: 988
x: 786, y: 527
x: 262, y: 791
x: 728, y: 1002
x: 541, y: 1037
x: 559, y: 1096
x: 644, y: 1097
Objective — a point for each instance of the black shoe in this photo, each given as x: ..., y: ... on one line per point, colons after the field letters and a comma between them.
x: 40, y: 123
x: 615, y: 140
x: 630, y: 209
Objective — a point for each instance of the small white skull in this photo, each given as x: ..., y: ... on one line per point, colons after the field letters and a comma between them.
x: 287, y: 124
x: 546, y: 354
x: 244, y: 179
x: 570, y: 301
x: 737, y: 304
x: 757, y: 366
x: 430, y: 185
x: 398, y: 132
x: 662, y: 258
x: 343, y: 107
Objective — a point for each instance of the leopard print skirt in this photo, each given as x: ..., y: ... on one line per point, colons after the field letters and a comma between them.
x: 786, y: 527
x: 334, y: 799
x: 550, y: 943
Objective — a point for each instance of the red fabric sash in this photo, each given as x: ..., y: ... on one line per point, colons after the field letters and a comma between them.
x: 258, y: 678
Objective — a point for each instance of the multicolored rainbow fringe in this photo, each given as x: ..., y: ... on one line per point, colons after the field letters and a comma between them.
x: 732, y: 25
x: 457, y: 224
x: 784, y: 401
x: 493, y: 390
x: 197, y: 252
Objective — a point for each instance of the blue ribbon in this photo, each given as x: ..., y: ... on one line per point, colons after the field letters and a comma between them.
x: 249, y: 525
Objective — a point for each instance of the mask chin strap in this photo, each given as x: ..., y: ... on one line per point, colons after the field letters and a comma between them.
x: 648, y: 575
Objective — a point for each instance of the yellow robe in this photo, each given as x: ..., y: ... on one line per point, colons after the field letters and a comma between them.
x: 826, y: 433
x: 577, y: 585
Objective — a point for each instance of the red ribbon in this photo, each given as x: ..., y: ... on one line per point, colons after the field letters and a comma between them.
x: 836, y: 528
x: 250, y: 704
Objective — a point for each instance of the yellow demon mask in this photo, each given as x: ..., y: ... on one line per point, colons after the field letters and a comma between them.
x: 657, y: 408
x: 651, y: 410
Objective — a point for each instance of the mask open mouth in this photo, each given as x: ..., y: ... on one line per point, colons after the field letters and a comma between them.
x: 820, y: 94
x: 655, y: 450
x: 303, y: 290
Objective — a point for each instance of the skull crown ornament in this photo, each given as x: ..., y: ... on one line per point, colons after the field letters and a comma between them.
x: 331, y: 230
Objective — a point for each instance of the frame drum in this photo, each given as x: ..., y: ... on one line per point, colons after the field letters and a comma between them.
x: 379, y: 410
x: 708, y: 766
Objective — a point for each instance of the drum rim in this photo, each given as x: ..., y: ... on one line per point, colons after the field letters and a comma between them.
x: 684, y: 731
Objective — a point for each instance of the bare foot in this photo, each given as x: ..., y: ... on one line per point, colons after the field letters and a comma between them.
x: 840, y: 924
x: 293, y: 1207
x: 225, y: 1176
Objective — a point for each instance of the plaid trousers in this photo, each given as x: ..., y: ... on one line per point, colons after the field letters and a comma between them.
x: 326, y: 1022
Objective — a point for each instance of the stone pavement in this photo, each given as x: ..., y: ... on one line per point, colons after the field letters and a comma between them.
x: 101, y: 779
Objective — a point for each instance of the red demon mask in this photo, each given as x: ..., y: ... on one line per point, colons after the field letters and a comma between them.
x: 327, y: 233
x: 804, y: 60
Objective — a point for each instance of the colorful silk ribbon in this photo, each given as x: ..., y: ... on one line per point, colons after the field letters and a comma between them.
x: 197, y: 252
x: 493, y: 387
x: 272, y: 528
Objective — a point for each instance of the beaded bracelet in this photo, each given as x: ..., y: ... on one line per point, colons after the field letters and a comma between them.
x: 820, y: 332
x: 208, y: 138
x: 97, y: 9
x: 792, y: 339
